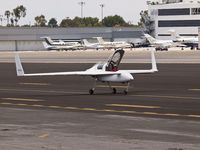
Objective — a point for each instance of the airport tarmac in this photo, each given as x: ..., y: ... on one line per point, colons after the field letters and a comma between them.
x: 161, y: 110
x: 135, y: 55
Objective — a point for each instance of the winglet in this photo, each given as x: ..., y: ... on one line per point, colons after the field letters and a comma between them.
x: 19, y: 69
x: 154, y: 66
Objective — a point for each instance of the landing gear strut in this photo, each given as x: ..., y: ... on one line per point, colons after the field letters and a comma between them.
x: 126, y: 90
x: 114, y: 91
x: 91, y: 91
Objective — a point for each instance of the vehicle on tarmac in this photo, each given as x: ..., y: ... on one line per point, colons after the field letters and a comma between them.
x: 144, y: 43
x: 161, y: 48
x: 60, y: 45
x: 104, y: 72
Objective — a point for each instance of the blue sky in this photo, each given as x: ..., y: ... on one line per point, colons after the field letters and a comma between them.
x: 128, y: 9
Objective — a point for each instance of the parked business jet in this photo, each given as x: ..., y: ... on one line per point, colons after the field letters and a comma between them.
x: 104, y: 72
x: 161, y: 44
x: 60, y: 45
x: 188, y: 41
x: 115, y: 45
x: 92, y: 45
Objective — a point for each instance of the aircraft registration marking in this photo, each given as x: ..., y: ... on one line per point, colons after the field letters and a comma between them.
x: 135, y: 106
x: 23, y: 99
x: 106, y: 110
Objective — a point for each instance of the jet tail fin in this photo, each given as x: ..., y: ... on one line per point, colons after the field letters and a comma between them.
x: 150, y: 38
x: 48, y: 40
x: 19, y: 68
x: 100, y: 40
x: 174, y: 34
x: 45, y: 45
x: 86, y: 42
x: 153, y: 59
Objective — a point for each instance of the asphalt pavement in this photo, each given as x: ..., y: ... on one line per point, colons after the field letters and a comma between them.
x: 161, y: 110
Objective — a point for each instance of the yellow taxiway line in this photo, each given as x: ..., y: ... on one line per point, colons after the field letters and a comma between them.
x: 43, y: 91
x: 134, y: 106
x: 44, y: 84
x: 193, y: 89
x: 22, y: 99
x: 133, y: 95
x: 171, y: 97
x: 43, y: 136
x: 106, y: 110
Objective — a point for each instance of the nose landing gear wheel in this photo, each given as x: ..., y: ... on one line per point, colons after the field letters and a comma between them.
x: 114, y: 91
x: 91, y: 92
x: 125, y: 92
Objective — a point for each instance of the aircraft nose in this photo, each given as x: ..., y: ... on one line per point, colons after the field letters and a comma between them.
x: 129, y: 76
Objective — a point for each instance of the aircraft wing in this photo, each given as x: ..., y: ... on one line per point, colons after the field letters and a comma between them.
x: 154, y: 66
x: 138, y: 71
x: 20, y: 71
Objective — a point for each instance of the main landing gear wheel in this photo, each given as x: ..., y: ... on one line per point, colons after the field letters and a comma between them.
x: 125, y: 92
x: 114, y: 91
x: 91, y: 91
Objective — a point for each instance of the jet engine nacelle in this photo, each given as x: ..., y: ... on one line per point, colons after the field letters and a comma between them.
x: 123, y: 77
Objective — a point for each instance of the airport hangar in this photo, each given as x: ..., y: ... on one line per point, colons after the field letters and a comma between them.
x: 29, y: 38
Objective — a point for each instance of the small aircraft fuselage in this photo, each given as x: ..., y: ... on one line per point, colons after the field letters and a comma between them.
x: 123, y: 77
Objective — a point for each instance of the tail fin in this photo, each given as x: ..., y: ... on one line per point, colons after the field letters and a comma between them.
x: 45, y: 45
x: 150, y: 38
x: 100, y: 40
x: 19, y: 68
x: 153, y: 59
x: 86, y: 43
x: 48, y: 40
x: 174, y: 34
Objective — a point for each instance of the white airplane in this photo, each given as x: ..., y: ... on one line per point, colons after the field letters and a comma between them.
x: 162, y: 44
x: 188, y: 41
x: 115, y: 45
x: 104, y: 72
x: 91, y: 45
x: 60, y: 45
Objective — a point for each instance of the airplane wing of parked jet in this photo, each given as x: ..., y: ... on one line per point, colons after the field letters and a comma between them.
x: 107, y: 72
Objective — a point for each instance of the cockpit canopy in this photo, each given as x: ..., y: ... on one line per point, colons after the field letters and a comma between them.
x: 114, y: 61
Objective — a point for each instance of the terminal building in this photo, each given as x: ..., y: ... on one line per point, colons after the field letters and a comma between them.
x: 26, y: 38
x: 183, y: 16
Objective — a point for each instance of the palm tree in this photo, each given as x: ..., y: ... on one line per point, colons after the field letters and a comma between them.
x: 7, y: 14
x: 19, y: 11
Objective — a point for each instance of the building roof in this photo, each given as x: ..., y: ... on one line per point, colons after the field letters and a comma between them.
x: 35, y: 33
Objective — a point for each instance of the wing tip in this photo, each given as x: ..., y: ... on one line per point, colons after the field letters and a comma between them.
x: 19, y: 68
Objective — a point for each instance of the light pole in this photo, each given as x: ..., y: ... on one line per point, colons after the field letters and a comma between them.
x: 1, y: 19
x: 102, y: 6
x: 81, y: 4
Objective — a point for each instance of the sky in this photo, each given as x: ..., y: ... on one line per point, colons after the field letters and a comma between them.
x: 60, y: 9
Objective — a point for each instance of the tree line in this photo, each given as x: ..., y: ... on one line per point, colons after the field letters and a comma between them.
x: 19, y: 12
